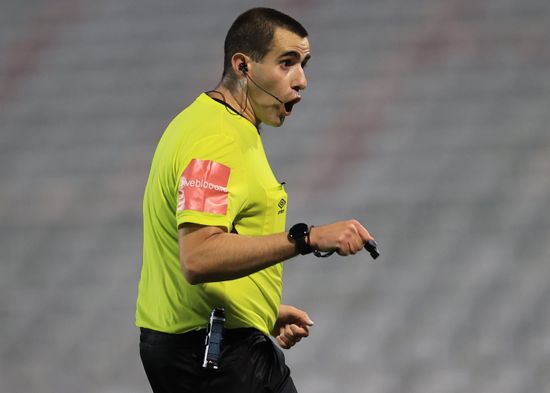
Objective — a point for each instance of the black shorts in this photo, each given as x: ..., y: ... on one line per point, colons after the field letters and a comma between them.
x: 250, y: 363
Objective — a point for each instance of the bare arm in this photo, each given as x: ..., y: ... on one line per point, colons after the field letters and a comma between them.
x: 210, y: 254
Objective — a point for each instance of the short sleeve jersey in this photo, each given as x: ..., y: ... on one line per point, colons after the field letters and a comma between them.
x: 209, y: 168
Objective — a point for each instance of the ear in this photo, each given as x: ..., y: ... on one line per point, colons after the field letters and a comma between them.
x: 237, y: 61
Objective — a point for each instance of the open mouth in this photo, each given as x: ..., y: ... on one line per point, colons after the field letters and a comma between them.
x: 290, y: 104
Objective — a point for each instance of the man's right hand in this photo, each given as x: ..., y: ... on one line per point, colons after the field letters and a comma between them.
x: 344, y: 237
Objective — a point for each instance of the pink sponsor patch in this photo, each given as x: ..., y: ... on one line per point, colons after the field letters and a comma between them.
x: 203, y: 187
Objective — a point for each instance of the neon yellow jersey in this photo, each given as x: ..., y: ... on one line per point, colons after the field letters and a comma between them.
x: 209, y: 168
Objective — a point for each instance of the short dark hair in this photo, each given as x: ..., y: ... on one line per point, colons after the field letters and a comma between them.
x: 252, y: 33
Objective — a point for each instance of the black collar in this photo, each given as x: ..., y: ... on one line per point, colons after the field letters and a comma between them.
x: 224, y: 103
x: 230, y: 107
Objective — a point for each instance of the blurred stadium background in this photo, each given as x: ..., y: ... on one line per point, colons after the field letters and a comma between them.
x: 426, y: 120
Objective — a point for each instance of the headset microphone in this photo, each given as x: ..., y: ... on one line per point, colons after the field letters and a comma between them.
x: 244, y: 69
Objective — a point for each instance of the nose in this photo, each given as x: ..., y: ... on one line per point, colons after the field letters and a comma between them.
x: 301, y: 80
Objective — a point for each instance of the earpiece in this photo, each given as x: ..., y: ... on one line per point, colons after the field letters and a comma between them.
x: 243, y: 68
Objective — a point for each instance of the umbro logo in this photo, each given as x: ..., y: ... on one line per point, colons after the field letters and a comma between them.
x: 281, y: 204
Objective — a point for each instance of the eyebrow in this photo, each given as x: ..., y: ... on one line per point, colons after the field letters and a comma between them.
x: 295, y: 55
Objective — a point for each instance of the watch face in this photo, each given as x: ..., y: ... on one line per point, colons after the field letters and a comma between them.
x: 298, y: 231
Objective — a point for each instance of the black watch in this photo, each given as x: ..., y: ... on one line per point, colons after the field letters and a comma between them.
x: 298, y: 234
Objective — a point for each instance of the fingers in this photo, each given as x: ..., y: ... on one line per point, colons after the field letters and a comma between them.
x: 362, y: 231
x: 348, y: 248
x: 290, y: 314
x: 291, y: 334
x: 351, y: 239
x: 356, y: 243
x: 282, y: 343
x: 303, y: 319
x: 368, y: 242
x: 345, y: 237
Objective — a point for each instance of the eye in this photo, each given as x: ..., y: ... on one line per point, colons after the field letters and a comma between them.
x: 286, y: 63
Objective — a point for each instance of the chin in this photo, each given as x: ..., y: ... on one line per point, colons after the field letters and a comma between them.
x: 279, y: 122
x: 275, y: 122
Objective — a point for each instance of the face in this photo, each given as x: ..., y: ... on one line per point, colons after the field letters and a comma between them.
x: 281, y: 73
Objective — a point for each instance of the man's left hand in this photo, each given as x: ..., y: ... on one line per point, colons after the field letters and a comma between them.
x: 291, y: 326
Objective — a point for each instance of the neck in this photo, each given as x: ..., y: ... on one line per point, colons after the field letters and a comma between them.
x: 236, y: 98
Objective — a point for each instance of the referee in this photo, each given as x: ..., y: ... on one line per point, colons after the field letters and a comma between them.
x: 214, y: 223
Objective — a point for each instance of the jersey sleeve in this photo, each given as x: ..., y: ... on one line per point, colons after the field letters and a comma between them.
x: 212, y: 187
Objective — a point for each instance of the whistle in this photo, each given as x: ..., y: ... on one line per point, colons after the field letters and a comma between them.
x: 372, y: 247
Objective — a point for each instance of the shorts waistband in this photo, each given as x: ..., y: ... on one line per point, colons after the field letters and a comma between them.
x: 194, y: 337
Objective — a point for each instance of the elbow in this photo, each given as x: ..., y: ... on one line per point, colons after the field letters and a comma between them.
x: 192, y: 278
x: 196, y: 257
x: 191, y: 272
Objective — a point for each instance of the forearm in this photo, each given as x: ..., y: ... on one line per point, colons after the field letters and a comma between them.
x: 227, y: 256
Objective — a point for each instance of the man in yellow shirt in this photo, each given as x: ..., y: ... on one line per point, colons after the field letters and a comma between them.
x: 214, y: 223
